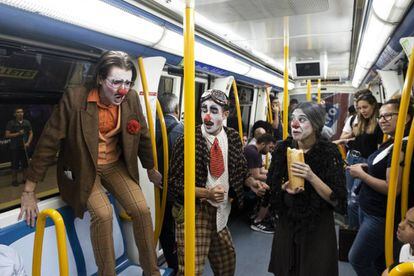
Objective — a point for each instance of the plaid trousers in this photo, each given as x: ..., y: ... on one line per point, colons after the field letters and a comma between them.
x: 218, y: 247
x: 115, y: 178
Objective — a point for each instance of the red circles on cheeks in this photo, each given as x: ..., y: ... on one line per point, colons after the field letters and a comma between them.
x: 207, y: 118
x: 122, y: 91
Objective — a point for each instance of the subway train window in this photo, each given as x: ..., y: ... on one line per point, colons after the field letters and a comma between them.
x: 31, y: 83
x: 166, y: 85
x: 245, y: 100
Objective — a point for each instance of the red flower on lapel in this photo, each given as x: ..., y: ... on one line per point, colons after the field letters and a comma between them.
x: 133, y: 127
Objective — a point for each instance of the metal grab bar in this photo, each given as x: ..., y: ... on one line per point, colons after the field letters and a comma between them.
x: 404, y: 269
x: 285, y: 76
x: 393, y: 179
x: 165, y: 147
x: 319, y: 91
x: 269, y: 107
x: 239, y: 119
x: 152, y: 135
x: 189, y: 145
x: 342, y: 151
x: 60, y: 238
x: 406, y: 171
x: 308, y: 91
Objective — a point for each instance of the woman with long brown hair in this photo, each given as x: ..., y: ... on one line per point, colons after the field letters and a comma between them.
x: 364, y: 139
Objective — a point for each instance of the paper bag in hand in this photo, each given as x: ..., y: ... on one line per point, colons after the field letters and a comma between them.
x: 295, y: 155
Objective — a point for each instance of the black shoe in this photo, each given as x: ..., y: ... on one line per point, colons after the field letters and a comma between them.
x: 15, y: 183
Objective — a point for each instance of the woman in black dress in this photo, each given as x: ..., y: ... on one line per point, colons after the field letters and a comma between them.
x: 305, y: 242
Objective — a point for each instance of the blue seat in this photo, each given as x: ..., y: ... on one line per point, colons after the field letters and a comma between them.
x: 80, y: 253
x: 21, y: 238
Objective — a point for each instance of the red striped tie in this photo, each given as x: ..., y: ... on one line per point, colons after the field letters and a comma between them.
x: 216, y: 160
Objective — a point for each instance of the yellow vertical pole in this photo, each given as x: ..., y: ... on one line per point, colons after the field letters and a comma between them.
x: 60, y: 238
x: 319, y: 91
x: 392, y: 186
x: 189, y: 145
x: 285, y: 76
x: 269, y: 106
x: 164, y: 136
x: 406, y: 171
x: 308, y: 91
x: 153, y: 143
x: 239, y: 118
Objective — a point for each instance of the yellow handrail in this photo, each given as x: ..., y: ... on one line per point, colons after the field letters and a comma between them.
x: 392, y: 186
x: 153, y: 144
x: 239, y: 119
x: 165, y: 147
x: 319, y: 91
x: 189, y: 145
x: 308, y: 91
x: 342, y: 151
x: 267, y: 161
x: 406, y: 171
x: 61, y: 242
x: 285, y: 77
x: 269, y: 107
x: 404, y: 269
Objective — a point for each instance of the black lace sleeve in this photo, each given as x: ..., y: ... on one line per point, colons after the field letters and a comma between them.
x: 335, y: 178
x: 276, y: 176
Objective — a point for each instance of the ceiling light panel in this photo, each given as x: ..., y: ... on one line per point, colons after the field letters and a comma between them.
x: 105, y: 18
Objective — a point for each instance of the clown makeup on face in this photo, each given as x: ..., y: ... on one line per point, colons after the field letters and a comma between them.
x: 301, y: 126
x: 115, y: 87
x: 212, y: 115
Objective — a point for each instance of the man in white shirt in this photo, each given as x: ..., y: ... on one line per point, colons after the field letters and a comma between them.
x: 405, y: 234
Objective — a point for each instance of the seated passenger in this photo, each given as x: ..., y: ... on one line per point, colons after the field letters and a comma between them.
x: 304, y: 241
x: 99, y: 131
x: 221, y: 172
x: 257, y: 132
x: 405, y: 234
x: 367, y: 252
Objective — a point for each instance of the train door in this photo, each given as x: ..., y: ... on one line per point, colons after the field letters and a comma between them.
x: 246, y: 98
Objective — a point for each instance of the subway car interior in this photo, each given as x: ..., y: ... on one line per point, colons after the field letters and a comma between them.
x: 266, y: 56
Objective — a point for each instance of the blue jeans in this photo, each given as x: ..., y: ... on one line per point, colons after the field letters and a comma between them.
x: 367, y: 252
x: 351, y: 185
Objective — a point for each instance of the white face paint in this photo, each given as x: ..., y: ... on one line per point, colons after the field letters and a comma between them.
x: 212, y: 116
x: 116, y: 85
x: 301, y: 126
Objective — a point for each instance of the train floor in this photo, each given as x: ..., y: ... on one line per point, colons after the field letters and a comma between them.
x: 253, y: 251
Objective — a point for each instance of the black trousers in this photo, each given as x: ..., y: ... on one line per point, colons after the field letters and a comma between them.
x: 167, y: 238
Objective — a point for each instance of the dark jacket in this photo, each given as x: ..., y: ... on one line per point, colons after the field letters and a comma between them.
x: 72, y: 130
x: 237, y: 166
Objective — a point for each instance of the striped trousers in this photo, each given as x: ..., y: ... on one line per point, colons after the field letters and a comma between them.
x: 115, y: 178
x: 218, y: 247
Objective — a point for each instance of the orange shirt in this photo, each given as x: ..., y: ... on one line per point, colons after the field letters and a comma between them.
x: 109, y: 126
x: 108, y: 115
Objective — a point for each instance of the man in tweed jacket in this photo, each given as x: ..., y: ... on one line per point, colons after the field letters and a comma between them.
x: 221, y: 172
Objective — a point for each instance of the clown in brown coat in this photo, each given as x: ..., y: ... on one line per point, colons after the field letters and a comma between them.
x: 99, y: 133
